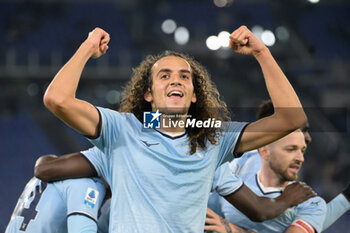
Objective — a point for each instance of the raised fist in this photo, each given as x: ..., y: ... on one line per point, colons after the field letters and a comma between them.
x: 243, y: 41
x: 99, y: 40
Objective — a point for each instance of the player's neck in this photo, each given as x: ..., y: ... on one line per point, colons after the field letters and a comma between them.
x: 269, y: 178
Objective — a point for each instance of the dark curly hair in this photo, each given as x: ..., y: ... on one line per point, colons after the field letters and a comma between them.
x: 208, y: 105
x: 265, y: 109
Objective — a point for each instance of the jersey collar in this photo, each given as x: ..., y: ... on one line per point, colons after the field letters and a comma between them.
x: 171, y: 136
x: 267, y: 190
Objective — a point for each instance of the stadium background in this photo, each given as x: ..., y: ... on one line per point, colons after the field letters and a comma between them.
x: 312, y: 45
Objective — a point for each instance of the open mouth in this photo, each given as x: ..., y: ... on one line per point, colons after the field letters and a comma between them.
x: 294, y: 168
x: 175, y: 93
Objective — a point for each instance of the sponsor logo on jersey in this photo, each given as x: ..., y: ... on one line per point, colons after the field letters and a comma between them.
x: 91, y: 197
x: 149, y: 144
x: 315, y: 202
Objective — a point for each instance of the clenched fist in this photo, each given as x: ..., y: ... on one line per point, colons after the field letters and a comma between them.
x: 243, y: 41
x: 99, y: 40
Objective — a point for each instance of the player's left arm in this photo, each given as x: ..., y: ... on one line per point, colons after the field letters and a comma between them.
x: 214, y: 222
x: 300, y: 227
x: 309, y: 216
x: 289, y: 114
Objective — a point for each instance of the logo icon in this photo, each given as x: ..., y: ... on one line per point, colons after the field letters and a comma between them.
x: 151, y: 120
x: 315, y: 202
x: 91, y: 197
x: 149, y: 144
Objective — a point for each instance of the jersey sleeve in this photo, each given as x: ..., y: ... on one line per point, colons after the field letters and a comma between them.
x: 230, y: 139
x: 249, y: 162
x: 81, y: 224
x: 335, y: 209
x: 225, y: 181
x: 98, y: 161
x: 110, y: 126
x: 84, y: 197
x: 311, y: 215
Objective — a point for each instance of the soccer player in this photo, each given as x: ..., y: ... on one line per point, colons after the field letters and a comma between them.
x: 337, y: 207
x: 250, y: 162
x: 58, y: 207
x: 162, y: 177
x: 280, y: 164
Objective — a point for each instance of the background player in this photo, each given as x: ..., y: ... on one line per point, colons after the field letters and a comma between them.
x: 280, y: 164
x: 251, y: 163
x: 62, y: 206
x: 337, y: 207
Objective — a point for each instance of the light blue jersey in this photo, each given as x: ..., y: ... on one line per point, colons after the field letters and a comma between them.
x: 103, y: 219
x: 335, y: 209
x: 219, y: 182
x: 224, y: 180
x: 157, y: 186
x: 308, y: 215
x: 44, y: 207
x: 250, y: 162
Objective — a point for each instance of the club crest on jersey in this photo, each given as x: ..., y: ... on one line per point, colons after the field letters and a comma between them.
x: 91, y: 197
x: 151, y: 120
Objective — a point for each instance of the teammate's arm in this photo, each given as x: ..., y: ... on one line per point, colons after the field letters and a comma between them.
x: 81, y: 224
x: 295, y: 229
x: 337, y: 207
x: 214, y: 222
x: 52, y: 167
x: 259, y: 209
x: 289, y: 114
x: 60, y: 97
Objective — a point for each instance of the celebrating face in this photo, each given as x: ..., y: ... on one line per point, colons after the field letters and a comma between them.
x: 172, y: 88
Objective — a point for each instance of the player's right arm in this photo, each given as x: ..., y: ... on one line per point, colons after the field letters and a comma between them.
x: 259, y: 209
x: 60, y: 97
x: 52, y: 167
